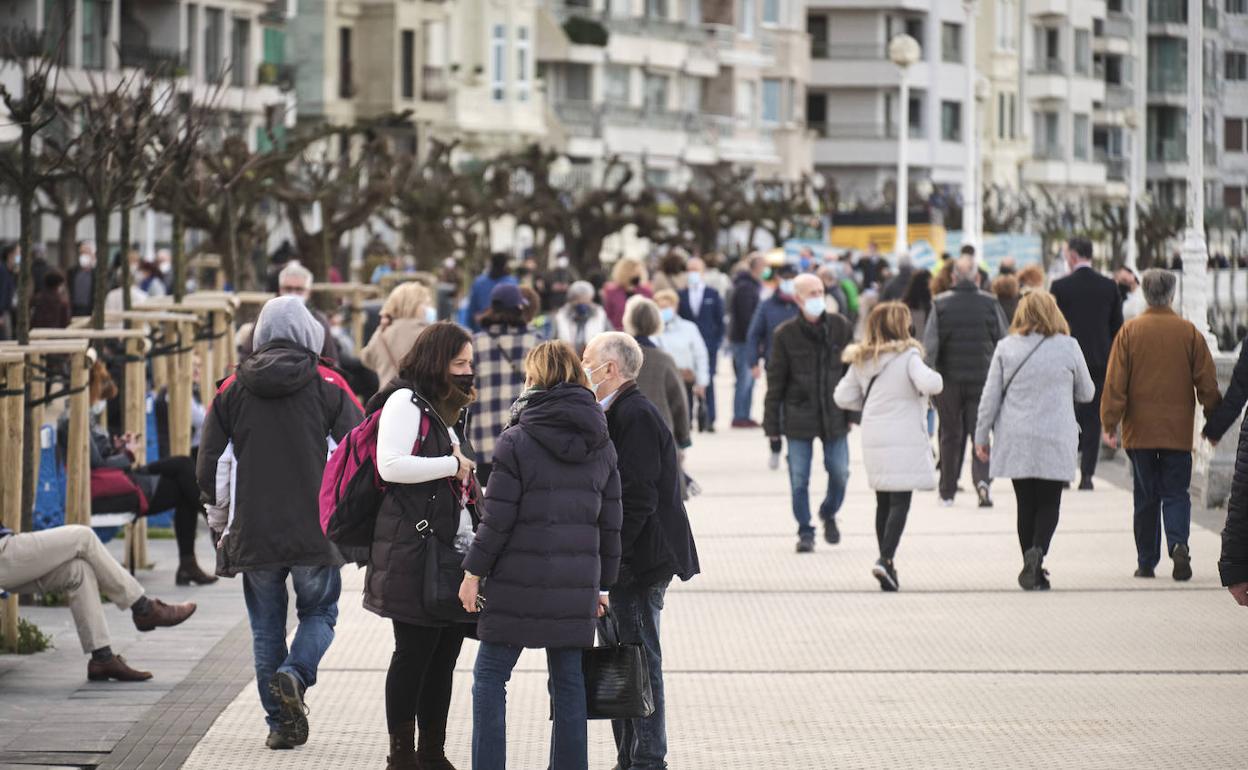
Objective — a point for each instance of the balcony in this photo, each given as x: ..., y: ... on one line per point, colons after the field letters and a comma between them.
x: 1049, y: 65
x: 1167, y: 11
x: 636, y: 26
x: 280, y: 75
x: 1117, y: 26
x: 1048, y: 152
x: 1167, y: 82
x: 1172, y: 150
x: 435, y: 86
x: 828, y: 50
x: 1119, y: 97
x: 1116, y: 166
x: 840, y: 130
x: 163, y: 62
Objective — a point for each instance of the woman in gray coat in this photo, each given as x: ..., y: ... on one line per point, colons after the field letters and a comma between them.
x: 1036, y: 376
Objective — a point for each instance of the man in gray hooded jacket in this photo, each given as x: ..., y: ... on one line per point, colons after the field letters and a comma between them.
x: 261, y: 458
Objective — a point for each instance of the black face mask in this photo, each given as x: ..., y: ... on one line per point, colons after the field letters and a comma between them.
x: 463, y: 381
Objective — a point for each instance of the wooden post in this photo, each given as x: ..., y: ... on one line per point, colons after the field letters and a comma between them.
x: 180, y: 394
x: 357, y: 318
x: 11, y: 408
x: 207, y: 363
x: 134, y: 421
x: 77, y: 453
x: 36, y: 388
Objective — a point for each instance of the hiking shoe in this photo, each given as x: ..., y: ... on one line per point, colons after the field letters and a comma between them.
x: 1032, y: 575
x: 773, y: 462
x: 293, y: 715
x: 276, y: 742
x: 831, y: 534
x: 887, y: 575
x: 1182, y: 562
x: 985, y: 500
x: 806, y: 544
x: 1145, y: 572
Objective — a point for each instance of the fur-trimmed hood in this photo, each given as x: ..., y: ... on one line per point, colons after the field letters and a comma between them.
x: 859, y: 353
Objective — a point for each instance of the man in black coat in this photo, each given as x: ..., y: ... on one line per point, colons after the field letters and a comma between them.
x: 962, y: 332
x: 802, y: 373
x: 747, y: 287
x: 655, y: 540
x: 1093, y: 308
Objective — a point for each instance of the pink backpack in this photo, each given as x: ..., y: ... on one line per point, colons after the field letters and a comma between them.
x: 351, y: 490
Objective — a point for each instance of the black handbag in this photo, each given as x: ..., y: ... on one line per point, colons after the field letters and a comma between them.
x: 443, y: 575
x: 617, y: 676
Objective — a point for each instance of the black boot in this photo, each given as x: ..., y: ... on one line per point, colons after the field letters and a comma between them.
x: 403, y: 749
x: 431, y: 751
x: 189, y: 572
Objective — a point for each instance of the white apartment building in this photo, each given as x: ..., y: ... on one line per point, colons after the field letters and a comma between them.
x: 851, y: 102
x: 674, y: 84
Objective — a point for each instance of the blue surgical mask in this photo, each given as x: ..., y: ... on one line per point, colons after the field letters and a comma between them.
x: 814, y: 307
x: 788, y: 287
x: 694, y: 279
x: 667, y: 314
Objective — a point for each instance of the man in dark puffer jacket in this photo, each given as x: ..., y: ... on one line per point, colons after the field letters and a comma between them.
x: 655, y: 539
x: 273, y: 423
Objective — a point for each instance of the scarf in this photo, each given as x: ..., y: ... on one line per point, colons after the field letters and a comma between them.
x: 520, y: 404
x: 453, y: 405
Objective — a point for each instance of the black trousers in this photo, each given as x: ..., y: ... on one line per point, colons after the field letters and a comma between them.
x: 483, y: 474
x: 1039, y: 501
x: 891, y: 510
x: 1089, y: 418
x: 958, y: 407
x: 418, y: 685
x: 176, y: 488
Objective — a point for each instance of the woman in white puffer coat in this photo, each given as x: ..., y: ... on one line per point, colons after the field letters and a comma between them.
x: 889, y: 383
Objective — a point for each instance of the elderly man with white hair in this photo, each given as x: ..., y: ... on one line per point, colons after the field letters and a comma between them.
x: 580, y: 319
x: 802, y: 374
x: 655, y: 539
x: 295, y: 280
x: 962, y: 332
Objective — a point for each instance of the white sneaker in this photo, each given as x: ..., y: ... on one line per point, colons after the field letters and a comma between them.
x: 773, y: 462
x: 946, y: 503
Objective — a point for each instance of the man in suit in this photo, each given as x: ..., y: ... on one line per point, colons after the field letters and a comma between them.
x: 1093, y: 308
x: 703, y: 305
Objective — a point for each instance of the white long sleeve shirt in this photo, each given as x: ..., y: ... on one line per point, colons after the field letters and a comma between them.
x: 396, y: 433
x: 683, y: 342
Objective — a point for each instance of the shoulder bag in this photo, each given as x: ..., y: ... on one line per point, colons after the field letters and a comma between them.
x: 1006, y: 388
x: 617, y: 676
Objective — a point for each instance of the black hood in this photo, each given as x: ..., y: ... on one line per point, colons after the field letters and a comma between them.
x: 278, y: 369
x: 567, y: 421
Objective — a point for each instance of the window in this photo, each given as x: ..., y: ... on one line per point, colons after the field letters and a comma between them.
x: 576, y: 83
x: 656, y: 9
x: 498, y: 62
x: 772, y: 99
x: 1013, y: 116
x: 407, y: 64
x: 617, y: 84
x: 1167, y: 65
x: 1083, y: 52
x: 214, y: 25
x: 1080, y: 143
x: 1116, y: 6
x: 346, y: 79
x: 656, y: 93
x: 1048, y: 50
x: 1233, y: 197
x: 192, y: 38
x: 1233, y: 134
x: 746, y: 98
x: 240, y: 53
x: 657, y: 178
x: 1237, y: 6
x: 524, y: 53
x: 745, y: 17
x: 915, y: 115
x: 1236, y: 65
x: 1007, y: 25
x: 951, y: 121
x: 1046, y: 141
x: 95, y: 17
x: 951, y: 42
x: 771, y: 11
x: 691, y: 94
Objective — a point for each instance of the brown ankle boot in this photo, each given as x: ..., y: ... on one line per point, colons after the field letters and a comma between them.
x: 431, y: 751
x: 403, y: 749
x: 189, y: 572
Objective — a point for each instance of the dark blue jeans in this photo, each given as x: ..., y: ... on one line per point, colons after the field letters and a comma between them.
x: 569, y: 741
x: 835, y: 461
x: 712, y: 365
x: 1162, y: 479
x: 316, y: 606
x: 743, y: 395
x: 641, y: 744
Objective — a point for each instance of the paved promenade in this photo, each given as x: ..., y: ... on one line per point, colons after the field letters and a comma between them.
x: 777, y: 660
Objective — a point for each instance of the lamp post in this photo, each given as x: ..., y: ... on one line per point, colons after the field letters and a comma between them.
x: 1134, y: 182
x: 970, y: 182
x: 903, y: 51
x: 1195, y: 253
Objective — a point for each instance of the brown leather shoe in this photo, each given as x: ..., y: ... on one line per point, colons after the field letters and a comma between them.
x: 189, y: 573
x: 115, y: 668
x: 160, y: 614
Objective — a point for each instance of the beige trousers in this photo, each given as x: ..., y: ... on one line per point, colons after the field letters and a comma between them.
x: 70, y: 559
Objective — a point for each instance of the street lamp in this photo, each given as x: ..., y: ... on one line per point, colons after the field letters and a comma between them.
x: 1131, y: 120
x: 970, y: 197
x: 1195, y: 253
x: 903, y: 51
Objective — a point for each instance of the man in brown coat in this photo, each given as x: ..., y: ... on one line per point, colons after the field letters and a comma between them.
x: 1159, y: 367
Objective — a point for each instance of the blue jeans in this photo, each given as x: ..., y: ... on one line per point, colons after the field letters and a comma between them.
x: 835, y: 461
x: 641, y: 744
x: 712, y: 365
x: 743, y: 364
x: 569, y: 735
x: 316, y: 606
x: 1162, y: 478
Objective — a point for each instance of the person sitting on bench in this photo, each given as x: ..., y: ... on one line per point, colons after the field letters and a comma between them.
x: 72, y: 559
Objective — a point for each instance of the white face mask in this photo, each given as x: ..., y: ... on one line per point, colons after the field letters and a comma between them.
x: 814, y: 307
x: 694, y: 279
x: 86, y: 261
x: 431, y: 315
x: 98, y: 408
x: 589, y: 375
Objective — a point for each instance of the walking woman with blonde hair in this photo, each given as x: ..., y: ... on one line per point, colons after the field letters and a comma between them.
x: 889, y: 383
x: 1037, y: 374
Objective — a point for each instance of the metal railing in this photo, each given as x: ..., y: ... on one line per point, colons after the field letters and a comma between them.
x: 280, y: 75
x: 1167, y: 81
x: 435, y: 86
x: 1048, y: 152
x: 1173, y: 150
x: 835, y: 51
x: 1167, y: 11
x: 1048, y: 65
x: 838, y: 130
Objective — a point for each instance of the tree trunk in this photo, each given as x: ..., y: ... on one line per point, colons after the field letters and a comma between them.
x: 126, y: 278
x: 26, y: 205
x: 229, y: 260
x: 68, y: 235
x: 179, y: 256
x: 101, y: 269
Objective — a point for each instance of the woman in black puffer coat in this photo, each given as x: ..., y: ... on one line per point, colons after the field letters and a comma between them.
x: 548, y: 549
